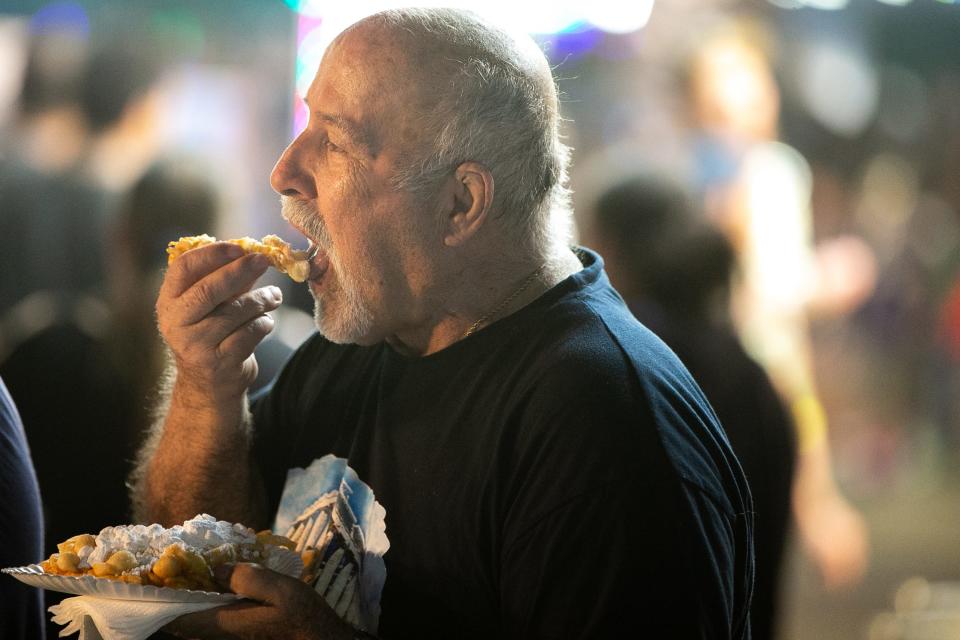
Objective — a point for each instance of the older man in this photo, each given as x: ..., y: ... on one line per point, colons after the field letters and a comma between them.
x: 547, y: 467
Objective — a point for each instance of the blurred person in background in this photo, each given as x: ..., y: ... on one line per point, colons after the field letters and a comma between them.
x: 56, y: 206
x: 83, y: 132
x: 21, y: 528
x: 675, y: 272
x: 757, y: 190
x: 172, y: 199
x: 92, y: 367
x: 51, y: 215
x: 107, y: 374
x: 54, y: 323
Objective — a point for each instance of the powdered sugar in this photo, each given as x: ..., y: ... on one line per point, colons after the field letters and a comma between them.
x: 201, y: 534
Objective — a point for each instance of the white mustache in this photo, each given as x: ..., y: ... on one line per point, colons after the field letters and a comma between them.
x: 302, y: 214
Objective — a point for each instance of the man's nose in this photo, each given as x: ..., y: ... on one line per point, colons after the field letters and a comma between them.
x: 289, y: 176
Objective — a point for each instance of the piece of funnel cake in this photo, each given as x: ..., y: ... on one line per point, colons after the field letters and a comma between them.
x: 181, y: 557
x: 283, y: 257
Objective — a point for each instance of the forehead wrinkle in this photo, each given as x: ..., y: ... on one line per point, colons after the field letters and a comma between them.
x: 359, y: 134
x: 383, y: 76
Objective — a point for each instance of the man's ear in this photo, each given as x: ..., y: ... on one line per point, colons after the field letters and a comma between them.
x: 472, y: 198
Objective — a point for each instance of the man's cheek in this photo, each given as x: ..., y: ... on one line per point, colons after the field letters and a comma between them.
x: 355, y: 185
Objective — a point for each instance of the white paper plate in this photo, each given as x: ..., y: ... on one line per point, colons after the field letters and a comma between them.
x: 91, y: 586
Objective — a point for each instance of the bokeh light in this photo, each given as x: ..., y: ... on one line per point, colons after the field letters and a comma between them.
x: 839, y: 86
x: 538, y: 17
x: 826, y: 5
x: 889, y: 192
x: 14, y: 53
x: 61, y: 16
x: 609, y: 15
x: 566, y: 28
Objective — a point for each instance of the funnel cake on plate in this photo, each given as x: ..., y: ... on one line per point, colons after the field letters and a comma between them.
x: 181, y: 557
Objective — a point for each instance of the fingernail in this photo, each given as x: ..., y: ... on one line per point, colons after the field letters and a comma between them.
x: 234, y: 251
x: 276, y: 294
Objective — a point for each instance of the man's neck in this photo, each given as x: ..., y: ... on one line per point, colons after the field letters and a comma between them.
x: 480, y: 296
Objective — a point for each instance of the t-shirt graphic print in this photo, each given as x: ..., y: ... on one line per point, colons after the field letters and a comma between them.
x: 340, y: 531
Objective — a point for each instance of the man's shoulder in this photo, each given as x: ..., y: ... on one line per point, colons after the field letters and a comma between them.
x: 592, y: 360
x: 597, y: 341
x: 641, y: 397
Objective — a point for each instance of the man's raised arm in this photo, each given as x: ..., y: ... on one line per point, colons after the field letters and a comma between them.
x: 196, y: 458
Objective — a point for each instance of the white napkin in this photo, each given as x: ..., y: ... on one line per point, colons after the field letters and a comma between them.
x: 110, y: 619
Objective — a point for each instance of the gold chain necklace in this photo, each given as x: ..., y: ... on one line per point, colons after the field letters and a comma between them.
x: 500, y: 307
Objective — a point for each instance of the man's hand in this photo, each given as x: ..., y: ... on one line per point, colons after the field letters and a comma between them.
x: 212, y: 321
x: 286, y: 608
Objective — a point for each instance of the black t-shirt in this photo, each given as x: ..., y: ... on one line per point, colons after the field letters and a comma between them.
x: 759, y: 428
x: 558, y: 474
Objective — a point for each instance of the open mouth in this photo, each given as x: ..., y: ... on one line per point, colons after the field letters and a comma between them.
x: 315, y: 255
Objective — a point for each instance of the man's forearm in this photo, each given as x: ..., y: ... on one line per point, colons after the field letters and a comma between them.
x: 197, y: 460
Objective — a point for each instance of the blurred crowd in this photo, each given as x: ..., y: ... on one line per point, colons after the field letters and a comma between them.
x: 820, y: 145
x: 91, y: 192
x: 845, y: 124
x: 773, y: 192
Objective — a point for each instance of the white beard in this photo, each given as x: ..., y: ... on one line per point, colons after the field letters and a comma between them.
x: 340, y: 313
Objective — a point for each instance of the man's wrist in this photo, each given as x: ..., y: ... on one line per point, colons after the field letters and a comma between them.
x: 217, y: 416
x: 204, y: 394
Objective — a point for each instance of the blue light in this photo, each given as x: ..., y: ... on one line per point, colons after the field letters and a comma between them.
x: 574, y: 43
x: 61, y: 16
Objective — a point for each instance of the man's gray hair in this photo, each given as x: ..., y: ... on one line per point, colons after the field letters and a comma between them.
x: 499, y: 110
